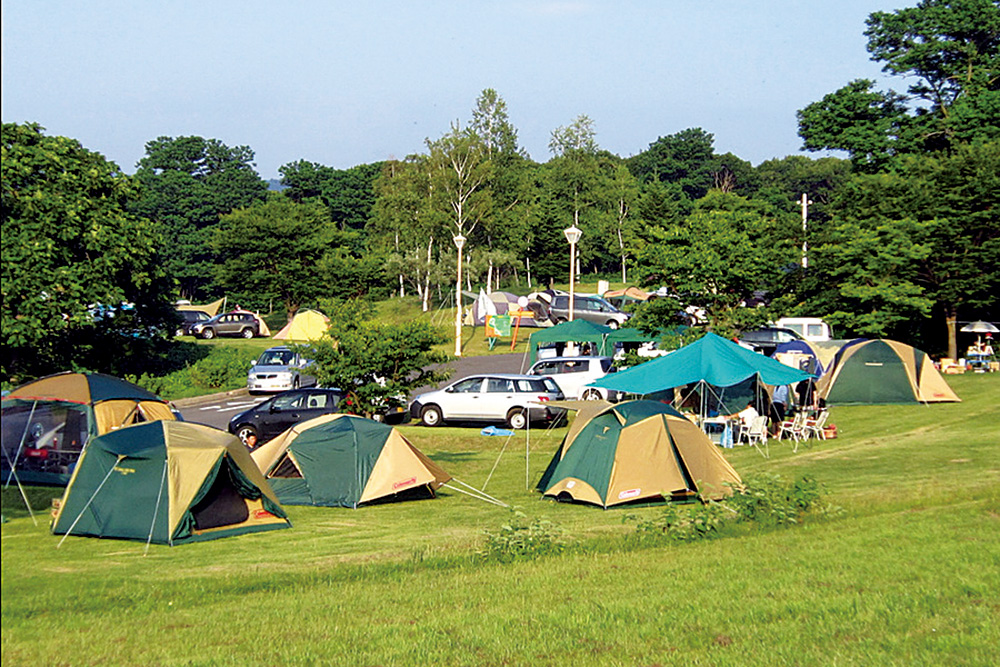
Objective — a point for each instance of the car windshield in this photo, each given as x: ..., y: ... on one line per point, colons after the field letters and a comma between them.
x: 276, y: 358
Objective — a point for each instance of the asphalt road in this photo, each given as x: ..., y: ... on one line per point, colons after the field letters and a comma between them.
x: 217, y: 410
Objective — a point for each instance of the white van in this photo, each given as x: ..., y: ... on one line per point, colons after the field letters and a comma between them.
x: 810, y: 328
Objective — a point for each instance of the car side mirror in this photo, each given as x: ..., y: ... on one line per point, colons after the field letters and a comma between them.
x: 272, y: 409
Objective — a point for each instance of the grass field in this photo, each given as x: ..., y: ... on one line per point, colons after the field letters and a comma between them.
x: 907, y: 572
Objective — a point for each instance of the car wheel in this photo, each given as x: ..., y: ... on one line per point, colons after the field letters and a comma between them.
x: 431, y: 416
x: 208, y: 334
x: 247, y: 333
x: 560, y: 320
x: 591, y: 395
x: 517, y: 418
x: 247, y: 435
x: 613, y: 324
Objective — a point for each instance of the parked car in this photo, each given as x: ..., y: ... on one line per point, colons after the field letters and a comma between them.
x: 228, y: 324
x: 282, y: 411
x: 811, y: 328
x: 189, y: 318
x: 765, y: 339
x: 573, y: 374
x: 591, y: 308
x: 510, y: 399
x: 277, y: 369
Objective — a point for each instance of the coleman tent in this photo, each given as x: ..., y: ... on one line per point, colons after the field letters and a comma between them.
x: 883, y: 371
x: 342, y: 460
x: 635, y: 451
x: 167, y: 482
x: 307, y: 325
x: 46, y: 423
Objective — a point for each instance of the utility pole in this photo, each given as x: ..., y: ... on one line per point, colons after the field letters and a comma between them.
x: 805, y: 201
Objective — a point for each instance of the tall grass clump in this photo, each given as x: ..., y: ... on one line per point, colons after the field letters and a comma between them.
x: 521, y: 538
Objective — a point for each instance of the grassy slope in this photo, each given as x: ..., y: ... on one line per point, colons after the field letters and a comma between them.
x: 908, y: 574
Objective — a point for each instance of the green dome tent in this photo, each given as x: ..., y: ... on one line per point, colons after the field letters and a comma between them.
x: 342, y: 460
x: 635, y: 451
x: 869, y: 372
x: 167, y: 482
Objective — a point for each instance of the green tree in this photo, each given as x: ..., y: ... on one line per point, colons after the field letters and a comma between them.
x: 951, y: 50
x: 921, y: 241
x: 349, y: 194
x: 378, y: 363
x: 188, y: 183
x: 728, y: 249
x: 82, y: 281
x: 273, y: 250
x: 687, y: 158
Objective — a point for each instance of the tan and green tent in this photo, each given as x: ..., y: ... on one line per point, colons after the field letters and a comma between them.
x: 342, y: 460
x: 635, y: 451
x: 870, y: 372
x: 48, y: 422
x: 167, y: 482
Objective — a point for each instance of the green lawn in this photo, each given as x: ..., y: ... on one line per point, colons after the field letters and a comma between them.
x: 906, y: 572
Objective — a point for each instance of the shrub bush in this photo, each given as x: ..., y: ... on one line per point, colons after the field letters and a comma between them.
x: 521, y: 539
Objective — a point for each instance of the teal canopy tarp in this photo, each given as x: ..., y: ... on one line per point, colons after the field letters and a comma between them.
x: 577, y: 331
x: 710, y: 359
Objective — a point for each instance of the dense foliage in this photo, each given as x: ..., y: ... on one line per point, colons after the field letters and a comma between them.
x: 83, y: 284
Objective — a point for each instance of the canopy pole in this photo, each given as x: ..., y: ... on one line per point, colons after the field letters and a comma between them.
x: 527, y: 451
x: 96, y: 491
x: 20, y: 446
x: 156, y: 510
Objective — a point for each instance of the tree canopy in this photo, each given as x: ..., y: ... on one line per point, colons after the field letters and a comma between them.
x: 83, y: 281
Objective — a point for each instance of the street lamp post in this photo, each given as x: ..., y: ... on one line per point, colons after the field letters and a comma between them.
x: 459, y: 243
x: 572, y: 235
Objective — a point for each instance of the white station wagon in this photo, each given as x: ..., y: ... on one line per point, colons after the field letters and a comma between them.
x: 510, y: 399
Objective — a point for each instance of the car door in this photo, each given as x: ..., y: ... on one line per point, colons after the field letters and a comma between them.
x: 285, y: 410
x: 464, y: 399
x: 500, y: 396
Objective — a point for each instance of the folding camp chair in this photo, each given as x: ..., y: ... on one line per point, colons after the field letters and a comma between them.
x: 794, y: 428
x: 755, y: 434
x: 815, y: 426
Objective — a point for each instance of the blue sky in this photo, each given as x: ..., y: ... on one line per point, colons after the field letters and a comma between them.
x: 347, y: 83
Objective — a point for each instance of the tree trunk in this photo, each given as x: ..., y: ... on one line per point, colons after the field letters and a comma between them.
x: 950, y: 317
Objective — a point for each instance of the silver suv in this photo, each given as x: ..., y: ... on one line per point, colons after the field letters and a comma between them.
x: 591, y: 308
x: 244, y: 325
x: 573, y: 374
x: 510, y: 399
x: 277, y: 369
